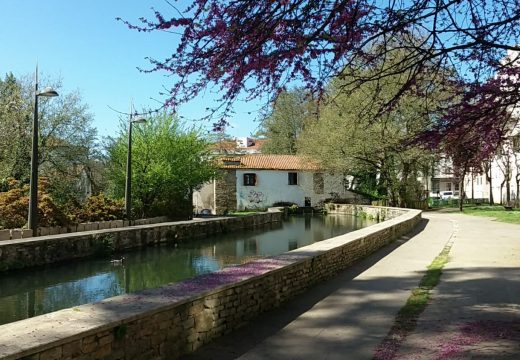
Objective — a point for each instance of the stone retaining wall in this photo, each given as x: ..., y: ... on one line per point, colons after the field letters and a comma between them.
x: 20, y: 253
x: 225, y: 192
x: 13, y: 234
x: 167, y: 322
x: 375, y: 212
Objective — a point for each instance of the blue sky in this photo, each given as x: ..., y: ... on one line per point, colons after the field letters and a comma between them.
x: 81, y: 42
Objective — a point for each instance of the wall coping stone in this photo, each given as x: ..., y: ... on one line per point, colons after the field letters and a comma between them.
x: 105, y: 231
x: 25, y: 253
x: 77, y: 227
x: 64, y: 326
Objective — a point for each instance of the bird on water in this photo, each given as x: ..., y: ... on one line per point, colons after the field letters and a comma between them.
x: 120, y: 261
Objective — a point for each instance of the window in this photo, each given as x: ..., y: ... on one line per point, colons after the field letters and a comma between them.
x: 436, y: 187
x: 293, y: 178
x: 456, y: 186
x: 249, y: 179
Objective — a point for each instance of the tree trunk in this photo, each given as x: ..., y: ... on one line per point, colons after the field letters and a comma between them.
x: 491, y: 200
x: 508, y: 190
x: 462, y: 197
x: 472, y: 186
x: 517, y: 190
x: 489, y: 178
x: 462, y: 190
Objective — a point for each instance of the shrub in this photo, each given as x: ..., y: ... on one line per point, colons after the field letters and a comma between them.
x: 14, y: 206
x: 100, y: 208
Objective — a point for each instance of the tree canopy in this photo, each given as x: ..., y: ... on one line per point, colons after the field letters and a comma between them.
x: 258, y: 47
x: 67, y: 140
x: 379, y: 154
x: 168, y: 162
x: 286, y: 120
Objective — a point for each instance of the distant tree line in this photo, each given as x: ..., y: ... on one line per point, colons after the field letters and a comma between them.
x: 385, y: 153
x: 81, y: 176
x: 393, y: 61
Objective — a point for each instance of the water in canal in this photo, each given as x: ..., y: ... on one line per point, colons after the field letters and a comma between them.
x: 27, y: 293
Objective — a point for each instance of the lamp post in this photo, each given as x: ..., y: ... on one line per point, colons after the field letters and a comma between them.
x: 128, y: 184
x: 33, y: 192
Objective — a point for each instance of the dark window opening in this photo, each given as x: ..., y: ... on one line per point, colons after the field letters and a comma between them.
x: 293, y: 178
x: 249, y: 179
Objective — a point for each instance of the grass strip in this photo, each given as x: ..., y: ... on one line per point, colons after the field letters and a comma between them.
x: 406, y: 319
x: 497, y: 212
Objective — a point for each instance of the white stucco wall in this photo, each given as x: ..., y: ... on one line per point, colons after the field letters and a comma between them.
x: 204, y: 198
x: 273, y: 186
x: 480, y: 186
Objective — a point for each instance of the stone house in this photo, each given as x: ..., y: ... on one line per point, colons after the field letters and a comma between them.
x: 257, y: 181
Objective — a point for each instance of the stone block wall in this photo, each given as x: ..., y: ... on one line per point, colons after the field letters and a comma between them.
x: 375, y: 212
x: 226, y: 192
x: 12, y: 234
x: 16, y: 254
x: 173, y: 320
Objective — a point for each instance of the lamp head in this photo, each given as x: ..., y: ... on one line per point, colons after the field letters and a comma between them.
x: 47, y: 92
x: 138, y: 120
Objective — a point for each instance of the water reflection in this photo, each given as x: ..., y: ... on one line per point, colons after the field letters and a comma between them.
x: 27, y: 293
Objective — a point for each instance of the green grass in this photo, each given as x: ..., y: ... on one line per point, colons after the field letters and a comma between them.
x: 497, y: 212
x: 416, y: 303
x: 406, y: 319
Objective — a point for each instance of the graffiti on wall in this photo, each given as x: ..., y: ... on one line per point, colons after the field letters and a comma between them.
x: 255, y: 198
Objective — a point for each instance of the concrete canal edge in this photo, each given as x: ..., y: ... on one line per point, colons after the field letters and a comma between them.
x: 176, y: 319
x: 21, y: 253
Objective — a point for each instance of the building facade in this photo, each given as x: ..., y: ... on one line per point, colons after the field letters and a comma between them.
x: 499, y: 179
x: 252, y: 182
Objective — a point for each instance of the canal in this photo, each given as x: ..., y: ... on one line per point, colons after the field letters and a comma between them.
x: 31, y: 292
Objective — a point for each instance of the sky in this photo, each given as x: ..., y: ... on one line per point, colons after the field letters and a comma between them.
x: 80, y: 42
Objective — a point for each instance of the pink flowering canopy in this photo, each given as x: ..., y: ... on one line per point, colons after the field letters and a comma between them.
x: 258, y: 48
x: 473, y: 128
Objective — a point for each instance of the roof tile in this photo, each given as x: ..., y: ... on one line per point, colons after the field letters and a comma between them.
x: 268, y: 162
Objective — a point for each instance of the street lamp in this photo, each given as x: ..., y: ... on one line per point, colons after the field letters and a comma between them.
x: 33, y: 192
x: 128, y: 185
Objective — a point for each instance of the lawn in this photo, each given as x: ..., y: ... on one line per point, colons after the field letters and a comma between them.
x: 497, y: 212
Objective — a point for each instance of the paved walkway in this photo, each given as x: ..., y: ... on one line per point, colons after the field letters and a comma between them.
x: 475, y: 312
x: 349, y: 316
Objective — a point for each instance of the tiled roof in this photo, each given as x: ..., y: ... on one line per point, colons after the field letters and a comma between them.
x: 268, y: 162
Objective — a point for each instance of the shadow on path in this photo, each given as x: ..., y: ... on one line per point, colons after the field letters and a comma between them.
x: 268, y: 324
